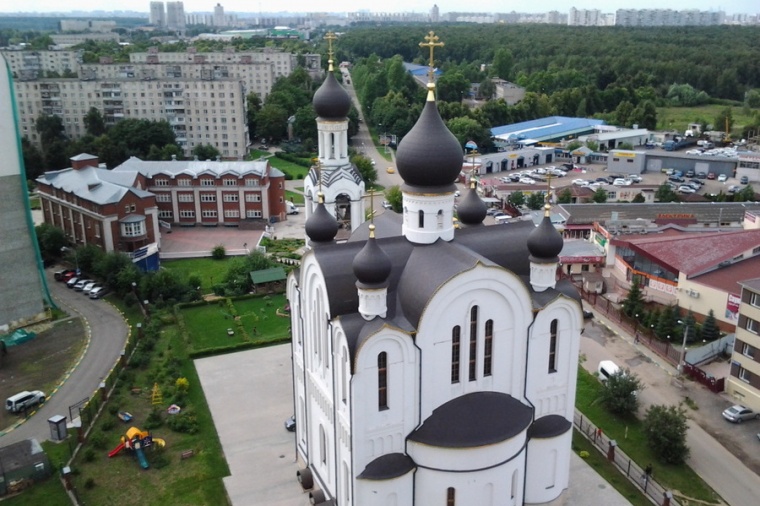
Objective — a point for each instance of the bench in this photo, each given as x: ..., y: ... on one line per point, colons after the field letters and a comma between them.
x: 187, y: 454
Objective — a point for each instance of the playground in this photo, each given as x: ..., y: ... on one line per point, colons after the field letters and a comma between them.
x: 136, y: 441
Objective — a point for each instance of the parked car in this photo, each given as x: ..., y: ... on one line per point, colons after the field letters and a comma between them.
x: 90, y: 287
x: 689, y: 173
x: 79, y: 286
x: 97, y: 293
x: 387, y: 205
x: 492, y: 211
x: 711, y: 175
x: 290, y: 424
x: 635, y: 178
x: 701, y: 175
x: 59, y: 275
x: 744, y: 180
x: 686, y: 189
x: 527, y: 180
x: 73, y: 281
x: 669, y: 172
x: 66, y: 277
x: 24, y: 400
x: 676, y: 179
x: 734, y: 188
x: 723, y: 178
x: 738, y: 413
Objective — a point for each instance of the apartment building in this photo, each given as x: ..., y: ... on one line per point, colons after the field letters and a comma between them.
x: 744, y: 380
x: 668, y: 17
x: 201, y: 95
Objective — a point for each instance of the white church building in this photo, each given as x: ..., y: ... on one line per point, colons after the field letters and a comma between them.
x: 432, y: 364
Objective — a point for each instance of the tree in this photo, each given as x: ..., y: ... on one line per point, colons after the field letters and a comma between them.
x: 468, y: 129
x: 599, y: 196
x: 272, y: 123
x: 710, y: 331
x: 34, y: 162
x: 746, y: 194
x: 535, y: 200
x: 665, y: 326
x: 94, y: 124
x: 395, y: 198
x: 51, y: 239
x: 565, y: 196
x: 205, y: 152
x: 452, y: 87
x: 487, y: 89
x: 665, y: 194
x: 620, y: 393
x: 691, y: 327
x: 633, y: 304
x: 253, y: 106
x: 724, y: 121
x: 639, y: 199
x: 502, y: 63
x: 50, y: 128
x: 665, y: 429
x: 517, y: 198
x: 365, y: 168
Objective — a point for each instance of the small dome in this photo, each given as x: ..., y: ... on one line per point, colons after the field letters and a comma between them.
x: 429, y: 155
x: 331, y: 101
x: 321, y: 226
x: 545, y: 242
x: 372, y: 266
x: 471, y: 210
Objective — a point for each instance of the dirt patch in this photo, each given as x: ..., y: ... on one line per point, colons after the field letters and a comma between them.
x: 41, y: 363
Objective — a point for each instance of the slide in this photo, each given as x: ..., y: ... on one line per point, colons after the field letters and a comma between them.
x: 141, y: 457
x: 159, y: 442
x: 116, y: 450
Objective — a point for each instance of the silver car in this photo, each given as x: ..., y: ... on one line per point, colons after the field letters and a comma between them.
x: 739, y: 413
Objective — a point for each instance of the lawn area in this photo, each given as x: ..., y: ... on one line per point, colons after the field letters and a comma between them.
x: 260, y: 314
x: 296, y: 197
x: 210, y: 271
x: 207, y: 326
x: 678, y: 118
x: 255, y: 154
x: 608, y: 471
x: 631, y: 439
x: 294, y: 170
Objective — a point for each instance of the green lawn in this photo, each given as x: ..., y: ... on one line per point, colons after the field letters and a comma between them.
x: 294, y: 170
x: 630, y: 437
x: 209, y: 270
x: 255, y: 154
x: 261, y: 314
x: 296, y: 197
x: 207, y: 326
x: 678, y: 118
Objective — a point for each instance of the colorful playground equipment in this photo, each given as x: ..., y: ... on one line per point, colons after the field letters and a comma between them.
x: 136, y: 440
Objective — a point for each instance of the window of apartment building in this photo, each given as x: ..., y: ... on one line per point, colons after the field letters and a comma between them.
x: 747, y: 350
x: 186, y: 213
x: 251, y: 182
x: 165, y: 214
x: 183, y: 182
x: 134, y: 229
x: 230, y: 182
x: 230, y: 197
x: 253, y: 197
x: 163, y: 197
x: 753, y: 326
x: 754, y: 299
x: 207, y: 182
x: 231, y: 213
x: 253, y: 214
x: 185, y: 197
x: 208, y: 213
x: 744, y: 374
x: 208, y: 197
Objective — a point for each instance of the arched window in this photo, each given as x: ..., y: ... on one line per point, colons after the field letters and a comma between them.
x: 450, y: 496
x: 456, y: 334
x: 382, y: 381
x: 344, y: 374
x: 513, y: 492
x: 488, y: 351
x: 346, y: 485
x: 473, y: 343
x: 440, y: 219
x: 322, y: 445
x: 421, y: 218
x: 553, y: 346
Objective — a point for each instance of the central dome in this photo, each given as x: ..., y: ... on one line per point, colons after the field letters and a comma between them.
x: 331, y: 101
x: 429, y: 155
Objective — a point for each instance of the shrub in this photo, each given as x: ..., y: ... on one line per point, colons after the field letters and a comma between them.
x: 185, y: 422
x: 108, y: 423
x: 665, y: 428
x: 219, y: 252
x: 89, y: 455
x: 98, y: 440
x: 154, y: 420
x: 89, y: 483
x: 159, y: 459
x: 182, y: 384
x: 113, y: 408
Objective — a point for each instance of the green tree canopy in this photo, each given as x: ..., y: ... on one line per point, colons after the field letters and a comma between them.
x: 620, y: 393
x: 94, y: 124
x: 665, y: 429
x: 205, y: 152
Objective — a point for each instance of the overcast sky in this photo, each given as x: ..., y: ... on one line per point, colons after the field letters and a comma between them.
x: 729, y: 6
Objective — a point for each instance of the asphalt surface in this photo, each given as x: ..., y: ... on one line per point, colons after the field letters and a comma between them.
x: 107, y: 335
x: 713, y: 462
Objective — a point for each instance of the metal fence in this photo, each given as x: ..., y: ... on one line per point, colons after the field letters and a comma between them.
x: 637, y: 475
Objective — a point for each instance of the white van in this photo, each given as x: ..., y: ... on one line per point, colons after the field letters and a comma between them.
x: 24, y: 400
x: 291, y: 207
x: 606, y: 369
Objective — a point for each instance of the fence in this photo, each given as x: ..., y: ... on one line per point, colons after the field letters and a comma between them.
x: 636, y: 475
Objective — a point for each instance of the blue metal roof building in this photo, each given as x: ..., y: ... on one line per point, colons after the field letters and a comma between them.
x: 546, y: 129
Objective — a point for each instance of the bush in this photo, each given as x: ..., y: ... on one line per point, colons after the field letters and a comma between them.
x: 89, y: 483
x: 219, y: 252
x: 159, y: 459
x: 185, y: 422
x: 113, y: 408
x: 620, y: 391
x: 98, y: 440
x: 665, y: 428
x: 154, y: 420
x: 89, y: 455
x: 108, y: 423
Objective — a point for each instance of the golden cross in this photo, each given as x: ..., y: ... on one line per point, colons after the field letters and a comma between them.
x: 432, y: 43
x: 330, y: 37
x: 549, y: 189
x: 372, y: 205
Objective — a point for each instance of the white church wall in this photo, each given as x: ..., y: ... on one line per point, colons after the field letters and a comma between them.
x: 501, y: 297
x: 341, y: 372
x: 395, y: 492
x: 467, y: 459
x: 554, y: 392
x: 497, y: 486
x: 438, y: 215
x: 548, y: 468
x: 377, y: 431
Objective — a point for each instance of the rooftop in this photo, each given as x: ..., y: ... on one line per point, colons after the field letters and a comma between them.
x: 552, y: 127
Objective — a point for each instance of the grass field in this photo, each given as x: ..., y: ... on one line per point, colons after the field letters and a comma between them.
x: 294, y: 170
x: 631, y: 439
x: 678, y: 118
x: 209, y: 270
x: 207, y: 326
x: 296, y: 197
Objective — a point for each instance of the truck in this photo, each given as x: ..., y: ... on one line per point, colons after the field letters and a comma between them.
x: 679, y: 143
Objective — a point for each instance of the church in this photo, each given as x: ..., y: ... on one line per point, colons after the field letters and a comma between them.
x: 434, y: 359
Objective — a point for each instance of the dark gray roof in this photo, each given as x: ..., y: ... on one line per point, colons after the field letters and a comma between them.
x: 705, y: 212
x: 331, y: 101
x: 752, y: 284
x: 549, y: 426
x: 475, y: 419
x: 387, y: 467
x: 100, y: 186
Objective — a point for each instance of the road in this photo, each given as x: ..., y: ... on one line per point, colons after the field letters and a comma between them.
x: 108, y: 335
x: 716, y: 465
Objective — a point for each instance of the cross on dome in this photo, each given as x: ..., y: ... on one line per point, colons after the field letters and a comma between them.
x: 432, y: 43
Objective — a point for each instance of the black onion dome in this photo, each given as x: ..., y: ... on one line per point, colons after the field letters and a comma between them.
x: 429, y: 155
x: 331, y: 101
x: 545, y: 242
x: 321, y: 226
x: 471, y: 210
x: 372, y: 266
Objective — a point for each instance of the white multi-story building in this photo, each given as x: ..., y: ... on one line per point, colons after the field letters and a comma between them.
x: 175, y: 16
x: 157, y: 14
x: 668, y: 17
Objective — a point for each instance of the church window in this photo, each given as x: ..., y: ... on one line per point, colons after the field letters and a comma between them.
x: 382, y: 381
x: 344, y: 372
x: 450, y: 496
x: 473, y: 342
x: 440, y: 219
x: 553, y: 346
x: 455, y: 350
x: 513, y: 492
x: 421, y: 218
x: 487, y: 355
x: 322, y: 445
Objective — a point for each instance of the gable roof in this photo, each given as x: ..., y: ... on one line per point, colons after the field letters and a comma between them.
x: 194, y: 167
x: 705, y: 212
x: 100, y: 186
x: 547, y: 128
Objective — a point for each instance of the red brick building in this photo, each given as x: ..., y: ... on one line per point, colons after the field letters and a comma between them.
x: 97, y: 206
x: 211, y: 192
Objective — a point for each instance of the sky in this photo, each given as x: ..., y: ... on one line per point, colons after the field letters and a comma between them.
x: 253, y: 6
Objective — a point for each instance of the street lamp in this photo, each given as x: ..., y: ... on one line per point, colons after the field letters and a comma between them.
x: 64, y: 249
x: 683, y: 346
